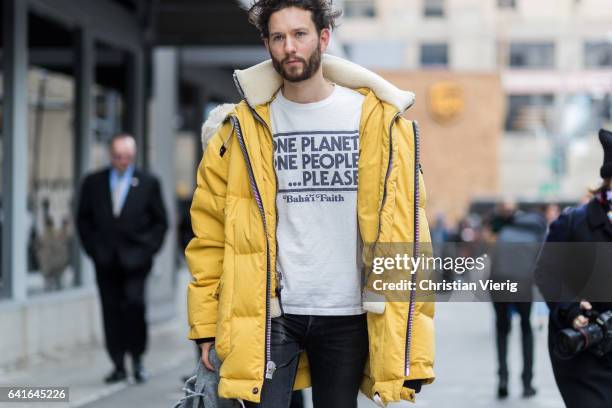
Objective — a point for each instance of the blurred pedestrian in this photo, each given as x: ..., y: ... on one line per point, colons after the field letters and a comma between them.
x: 516, y: 249
x: 122, y: 222
x: 439, y: 230
x: 276, y: 254
x: 584, y: 375
x: 551, y: 213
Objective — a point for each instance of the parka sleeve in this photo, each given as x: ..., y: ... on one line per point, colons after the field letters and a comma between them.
x: 205, y: 251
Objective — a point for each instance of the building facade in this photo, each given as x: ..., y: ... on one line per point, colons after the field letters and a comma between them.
x: 554, y: 60
x: 72, y: 75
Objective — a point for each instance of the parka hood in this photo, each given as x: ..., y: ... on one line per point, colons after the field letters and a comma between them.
x: 259, y: 83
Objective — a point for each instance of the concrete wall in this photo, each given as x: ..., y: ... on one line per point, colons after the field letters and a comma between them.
x: 48, y: 323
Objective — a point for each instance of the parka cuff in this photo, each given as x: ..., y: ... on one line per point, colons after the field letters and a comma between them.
x: 202, y: 331
x: 414, y: 385
x: 205, y: 340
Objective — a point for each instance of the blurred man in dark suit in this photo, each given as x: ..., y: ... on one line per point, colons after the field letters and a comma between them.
x: 122, y: 222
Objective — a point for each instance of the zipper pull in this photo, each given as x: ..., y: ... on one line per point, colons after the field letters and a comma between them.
x: 270, y: 368
x: 223, y: 146
x: 421, y: 168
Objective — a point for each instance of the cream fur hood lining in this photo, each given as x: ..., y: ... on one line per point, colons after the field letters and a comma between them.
x: 259, y: 84
x: 216, y: 117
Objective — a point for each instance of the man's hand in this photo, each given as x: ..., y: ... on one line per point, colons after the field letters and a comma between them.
x: 205, y: 347
x: 581, y: 320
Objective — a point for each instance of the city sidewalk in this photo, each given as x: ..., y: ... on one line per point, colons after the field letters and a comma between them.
x: 84, y: 368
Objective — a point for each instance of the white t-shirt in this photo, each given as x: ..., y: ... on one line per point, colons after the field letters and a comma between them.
x: 316, y: 149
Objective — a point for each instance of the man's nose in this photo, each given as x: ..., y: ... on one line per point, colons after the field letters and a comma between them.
x: 289, y: 45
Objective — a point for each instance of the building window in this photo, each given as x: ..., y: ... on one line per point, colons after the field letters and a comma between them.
x: 434, y: 55
x: 51, y: 159
x: 433, y: 8
x: 51, y: 187
x: 529, y: 113
x: 598, y: 54
x: 506, y: 4
x: 359, y: 9
x: 379, y: 54
x: 532, y: 55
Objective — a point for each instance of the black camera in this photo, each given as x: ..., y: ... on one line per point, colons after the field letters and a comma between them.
x: 595, y: 336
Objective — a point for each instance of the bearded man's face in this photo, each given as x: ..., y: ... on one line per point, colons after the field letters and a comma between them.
x: 294, y: 44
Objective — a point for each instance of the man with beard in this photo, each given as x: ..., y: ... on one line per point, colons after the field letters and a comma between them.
x: 277, y: 285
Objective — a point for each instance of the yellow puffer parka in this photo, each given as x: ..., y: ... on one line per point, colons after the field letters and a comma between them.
x: 233, y: 255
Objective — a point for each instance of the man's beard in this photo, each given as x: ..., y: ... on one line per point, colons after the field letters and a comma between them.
x: 310, y: 66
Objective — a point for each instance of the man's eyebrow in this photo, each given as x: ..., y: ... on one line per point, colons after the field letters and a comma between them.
x: 304, y: 28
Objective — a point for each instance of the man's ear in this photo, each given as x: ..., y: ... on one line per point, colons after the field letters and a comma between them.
x: 324, y: 39
x: 266, y: 42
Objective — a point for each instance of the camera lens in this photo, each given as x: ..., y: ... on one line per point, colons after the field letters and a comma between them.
x: 569, y: 342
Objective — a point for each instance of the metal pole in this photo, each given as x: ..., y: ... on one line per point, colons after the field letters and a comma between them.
x: 84, y: 80
x: 15, y: 148
x: 135, y: 100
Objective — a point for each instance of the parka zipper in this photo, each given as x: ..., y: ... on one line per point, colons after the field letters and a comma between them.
x: 416, y: 244
x: 270, y: 366
x: 279, y: 275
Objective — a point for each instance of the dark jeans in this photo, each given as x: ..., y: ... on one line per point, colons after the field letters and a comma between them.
x: 122, y: 294
x: 503, y: 324
x: 337, y: 349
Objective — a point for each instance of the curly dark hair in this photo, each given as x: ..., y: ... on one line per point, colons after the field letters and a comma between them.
x: 323, y: 13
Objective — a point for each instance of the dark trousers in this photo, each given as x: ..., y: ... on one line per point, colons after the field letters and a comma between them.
x: 337, y: 349
x: 122, y: 294
x: 503, y: 324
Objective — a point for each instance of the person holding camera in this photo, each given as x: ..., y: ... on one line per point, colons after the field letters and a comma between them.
x: 580, y: 331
